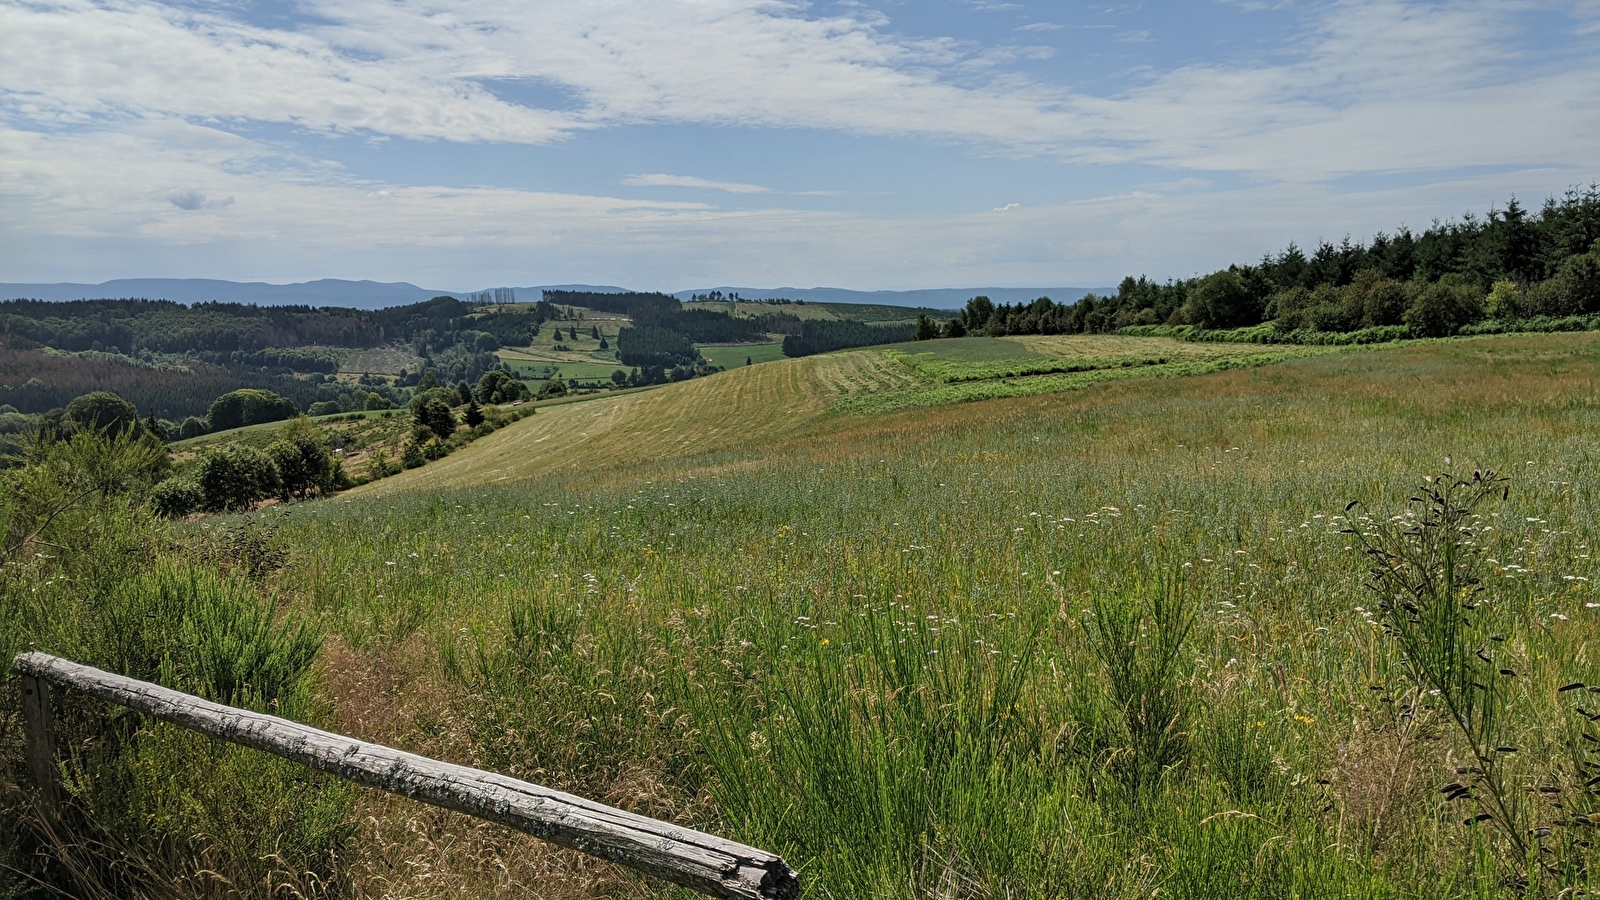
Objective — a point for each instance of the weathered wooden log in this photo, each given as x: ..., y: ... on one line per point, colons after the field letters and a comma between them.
x: 694, y: 859
x: 39, y: 733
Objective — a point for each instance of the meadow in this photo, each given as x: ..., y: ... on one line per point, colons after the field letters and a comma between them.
x: 1109, y: 642
x: 732, y: 356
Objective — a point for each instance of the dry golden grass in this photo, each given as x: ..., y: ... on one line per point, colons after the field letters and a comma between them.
x: 734, y: 408
x: 1088, y: 346
x: 751, y: 407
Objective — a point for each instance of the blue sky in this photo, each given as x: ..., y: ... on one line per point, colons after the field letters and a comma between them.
x: 681, y: 143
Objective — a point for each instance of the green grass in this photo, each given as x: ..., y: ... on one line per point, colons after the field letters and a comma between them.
x: 540, y: 370
x: 867, y: 642
x: 732, y: 356
x: 861, y: 312
x: 895, y: 647
x: 265, y: 432
x: 967, y: 382
x: 384, y: 360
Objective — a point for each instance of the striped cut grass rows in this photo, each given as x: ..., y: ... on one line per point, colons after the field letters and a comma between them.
x: 753, y: 406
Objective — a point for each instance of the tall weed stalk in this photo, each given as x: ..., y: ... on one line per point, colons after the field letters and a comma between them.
x: 1432, y: 603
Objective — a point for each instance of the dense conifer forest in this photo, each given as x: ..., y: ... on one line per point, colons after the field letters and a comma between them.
x: 1538, y: 269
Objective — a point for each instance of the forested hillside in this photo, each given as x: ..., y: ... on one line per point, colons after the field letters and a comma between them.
x: 1510, y: 269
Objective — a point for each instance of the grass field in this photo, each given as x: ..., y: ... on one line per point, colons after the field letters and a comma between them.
x: 861, y: 312
x: 869, y: 642
x: 751, y: 407
x: 732, y: 356
x: 538, y: 369
x: 380, y: 360
x: 1112, y: 642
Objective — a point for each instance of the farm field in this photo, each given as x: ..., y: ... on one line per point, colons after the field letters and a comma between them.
x: 756, y: 405
x: 1107, y: 642
x: 380, y: 360
x: 732, y: 356
x: 862, y: 312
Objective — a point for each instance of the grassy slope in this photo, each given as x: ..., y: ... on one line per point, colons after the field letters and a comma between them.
x: 754, y: 406
x: 724, y: 603
x: 732, y: 356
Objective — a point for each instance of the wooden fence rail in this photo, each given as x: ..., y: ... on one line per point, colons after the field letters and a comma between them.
x: 696, y: 860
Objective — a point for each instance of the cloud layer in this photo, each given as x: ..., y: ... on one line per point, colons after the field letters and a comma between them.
x: 126, y: 123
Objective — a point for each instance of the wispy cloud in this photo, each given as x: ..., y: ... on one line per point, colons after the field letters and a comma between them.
x: 1038, y: 26
x: 689, y: 181
x: 124, y: 120
x: 418, y: 69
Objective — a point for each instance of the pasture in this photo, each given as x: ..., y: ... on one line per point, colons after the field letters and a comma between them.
x: 732, y: 356
x: 1106, y: 642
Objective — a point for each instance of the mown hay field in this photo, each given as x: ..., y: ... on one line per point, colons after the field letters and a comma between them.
x: 936, y: 652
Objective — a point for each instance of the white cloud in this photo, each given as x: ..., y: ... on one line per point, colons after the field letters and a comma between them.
x: 101, y: 206
x: 72, y: 61
x: 1373, y: 85
x: 1038, y: 26
x: 114, y: 118
x: 689, y: 181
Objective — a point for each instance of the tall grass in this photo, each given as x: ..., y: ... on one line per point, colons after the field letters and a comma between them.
x: 152, y: 809
x: 1113, y: 643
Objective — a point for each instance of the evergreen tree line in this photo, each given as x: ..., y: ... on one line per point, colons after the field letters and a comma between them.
x: 162, y: 326
x: 1508, y: 265
x: 644, y: 344
x: 823, y: 335
x: 700, y: 326
x: 232, y: 332
x: 36, y: 381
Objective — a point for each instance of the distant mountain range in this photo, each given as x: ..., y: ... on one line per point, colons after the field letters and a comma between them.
x: 377, y: 295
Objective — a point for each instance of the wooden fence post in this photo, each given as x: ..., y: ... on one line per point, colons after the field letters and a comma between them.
x: 40, y: 736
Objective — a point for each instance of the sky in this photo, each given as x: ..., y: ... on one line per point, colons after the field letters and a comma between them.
x: 672, y: 144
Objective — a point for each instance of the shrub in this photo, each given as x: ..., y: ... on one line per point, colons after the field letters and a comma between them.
x: 177, y: 497
x: 1222, y: 300
x: 435, y: 415
x: 234, y: 477
x: 1504, y: 301
x: 1443, y: 308
x: 380, y: 466
x: 248, y: 406
x: 499, y: 386
x: 412, y: 457
x: 104, y: 411
x: 191, y: 428
x: 1138, y: 635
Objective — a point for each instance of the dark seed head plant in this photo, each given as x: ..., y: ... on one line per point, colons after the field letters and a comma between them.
x: 1432, y: 603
